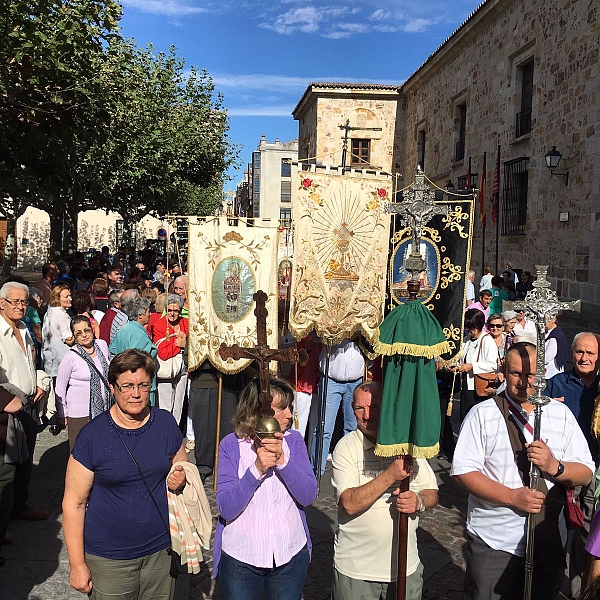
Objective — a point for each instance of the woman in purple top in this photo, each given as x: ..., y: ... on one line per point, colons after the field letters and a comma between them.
x: 82, y: 391
x: 262, y: 541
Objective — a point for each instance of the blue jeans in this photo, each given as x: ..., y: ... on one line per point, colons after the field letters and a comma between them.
x: 337, y: 392
x: 241, y: 581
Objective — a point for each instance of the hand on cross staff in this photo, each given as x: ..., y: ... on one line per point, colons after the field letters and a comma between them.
x: 269, y: 453
x: 407, y: 502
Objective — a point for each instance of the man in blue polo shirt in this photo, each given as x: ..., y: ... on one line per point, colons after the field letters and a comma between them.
x: 578, y: 389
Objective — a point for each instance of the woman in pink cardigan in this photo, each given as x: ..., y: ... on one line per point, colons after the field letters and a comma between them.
x: 82, y: 391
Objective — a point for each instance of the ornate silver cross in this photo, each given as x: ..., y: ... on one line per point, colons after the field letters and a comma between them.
x: 541, y: 305
x: 416, y: 211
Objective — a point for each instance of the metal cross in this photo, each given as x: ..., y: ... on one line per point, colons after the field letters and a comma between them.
x: 262, y: 354
x: 347, y: 128
x: 541, y: 305
x: 416, y: 211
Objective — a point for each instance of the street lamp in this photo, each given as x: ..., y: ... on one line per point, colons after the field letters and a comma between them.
x: 552, y: 160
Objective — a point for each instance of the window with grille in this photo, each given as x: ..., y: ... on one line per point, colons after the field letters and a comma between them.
x: 285, y: 216
x: 360, y: 152
x: 523, y: 125
x: 286, y: 191
x: 514, y: 196
x: 459, y: 147
x: 286, y: 167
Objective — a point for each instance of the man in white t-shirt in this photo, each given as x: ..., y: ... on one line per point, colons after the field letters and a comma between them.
x: 368, y: 496
x: 499, y: 501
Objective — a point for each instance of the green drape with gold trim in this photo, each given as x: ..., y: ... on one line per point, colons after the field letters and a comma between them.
x: 410, y: 337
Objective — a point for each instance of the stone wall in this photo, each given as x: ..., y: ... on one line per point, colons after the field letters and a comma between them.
x: 480, y: 66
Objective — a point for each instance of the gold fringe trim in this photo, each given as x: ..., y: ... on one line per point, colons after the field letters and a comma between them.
x: 595, y: 426
x: 411, y: 349
x: 407, y: 449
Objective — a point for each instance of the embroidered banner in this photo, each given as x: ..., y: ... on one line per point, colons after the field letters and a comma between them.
x: 341, y: 242
x: 446, y: 247
x: 227, y: 265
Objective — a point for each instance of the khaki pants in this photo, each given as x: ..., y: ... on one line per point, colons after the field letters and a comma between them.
x: 145, y: 578
x: 346, y: 588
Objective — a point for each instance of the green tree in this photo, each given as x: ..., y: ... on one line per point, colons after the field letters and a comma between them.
x: 49, y: 56
x: 165, y: 148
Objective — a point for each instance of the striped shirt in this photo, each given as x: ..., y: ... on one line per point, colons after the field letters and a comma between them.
x: 269, y: 530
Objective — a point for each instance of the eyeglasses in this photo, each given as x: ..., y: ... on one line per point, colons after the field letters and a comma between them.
x: 83, y: 332
x: 495, y: 326
x: 173, y: 310
x: 16, y: 302
x: 127, y: 388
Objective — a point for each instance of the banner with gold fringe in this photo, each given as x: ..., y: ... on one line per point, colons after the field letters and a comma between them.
x: 341, y: 240
x: 227, y: 265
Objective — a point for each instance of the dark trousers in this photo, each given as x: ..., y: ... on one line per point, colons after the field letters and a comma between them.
x: 7, y: 480
x: 203, y: 408
x: 29, y: 418
x: 497, y: 575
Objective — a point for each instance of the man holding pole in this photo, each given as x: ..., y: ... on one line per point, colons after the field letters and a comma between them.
x: 493, y: 455
x: 365, y: 486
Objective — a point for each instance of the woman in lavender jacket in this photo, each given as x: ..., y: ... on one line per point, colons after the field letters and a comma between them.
x: 262, y: 541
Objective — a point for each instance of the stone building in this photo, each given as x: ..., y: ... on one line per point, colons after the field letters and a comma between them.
x: 521, y: 75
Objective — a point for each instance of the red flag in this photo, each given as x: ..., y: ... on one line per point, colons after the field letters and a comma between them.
x: 468, y: 177
x: 496, y: 189
x: 481, y: 197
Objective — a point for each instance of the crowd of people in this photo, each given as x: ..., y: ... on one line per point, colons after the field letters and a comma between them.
x: 99, y: 348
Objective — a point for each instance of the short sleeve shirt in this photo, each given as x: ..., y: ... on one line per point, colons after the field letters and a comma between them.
x: 121, y: 521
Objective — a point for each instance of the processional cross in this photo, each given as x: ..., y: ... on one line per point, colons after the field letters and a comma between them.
x: 262, y: 354
x: 416, y: 211
x: 541, y: 305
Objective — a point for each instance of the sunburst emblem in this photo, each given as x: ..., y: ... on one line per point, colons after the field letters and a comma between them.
x: 342, y: 236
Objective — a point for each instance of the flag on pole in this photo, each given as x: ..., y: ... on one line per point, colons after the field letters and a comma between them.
x: 496, y: 189
x: 481, y: 197
x: 468, y: 184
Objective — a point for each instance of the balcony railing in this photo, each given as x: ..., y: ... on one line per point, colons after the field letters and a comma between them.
x: 523, y: 125
x: 459, y: 150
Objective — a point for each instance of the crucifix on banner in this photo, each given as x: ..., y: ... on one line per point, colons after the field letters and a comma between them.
x: 541, y: 305
x: 267, y: 426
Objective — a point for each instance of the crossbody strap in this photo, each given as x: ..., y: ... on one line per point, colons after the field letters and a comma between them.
x: 114, y: 426
x: 90, y: 362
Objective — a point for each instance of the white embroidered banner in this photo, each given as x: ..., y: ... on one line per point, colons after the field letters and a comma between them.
x: 227, y: 265
x: 341, y: 243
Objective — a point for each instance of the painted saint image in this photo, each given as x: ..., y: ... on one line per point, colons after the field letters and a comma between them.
x: 284, y: 277
x: 232, y: 290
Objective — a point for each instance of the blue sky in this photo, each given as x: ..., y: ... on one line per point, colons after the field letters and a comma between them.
x: 263, y: 54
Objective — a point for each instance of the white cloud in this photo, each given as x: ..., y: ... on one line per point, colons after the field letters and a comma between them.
x: 168, y: 7
x: 417, y: 25
x: 305, y: 19
x: 282, y: 84
x: 261, y: 111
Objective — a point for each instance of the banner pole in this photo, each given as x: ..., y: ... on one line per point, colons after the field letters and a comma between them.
x: 218, y: 432
x: 323, y: 406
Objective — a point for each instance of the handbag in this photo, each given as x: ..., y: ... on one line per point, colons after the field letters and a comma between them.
x: 573, y: 514
x: 176, y: 567
x: 485, y: 380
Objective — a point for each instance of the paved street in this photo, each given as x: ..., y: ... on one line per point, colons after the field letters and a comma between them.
x: 37, y: 566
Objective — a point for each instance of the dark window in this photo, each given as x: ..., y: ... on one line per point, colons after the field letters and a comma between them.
x: 286, y: 167
x: 421, y: 150
x: 524, y: 116
x: 286, y: 191
x: 514, y: 196
x: 360, y: 152
x: 285, y: 216
x: 256, y: 160
x: 461, y: 182
x: 459, y: 148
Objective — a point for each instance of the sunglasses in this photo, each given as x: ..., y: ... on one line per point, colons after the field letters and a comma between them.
x: 495, y: 326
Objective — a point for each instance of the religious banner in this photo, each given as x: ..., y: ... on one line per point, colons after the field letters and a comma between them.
x: 446, y: 247
x: 227, y: 265
x: 341, y: 242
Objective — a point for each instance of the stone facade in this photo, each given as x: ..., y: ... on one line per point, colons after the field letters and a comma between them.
x: 471, y: 96
x: 370, y: 109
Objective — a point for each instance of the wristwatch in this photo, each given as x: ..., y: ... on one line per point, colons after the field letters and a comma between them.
x: 560, y: 471
x: 421, y: 508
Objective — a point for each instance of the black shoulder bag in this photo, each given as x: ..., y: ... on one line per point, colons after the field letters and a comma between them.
x: 176, y: 567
